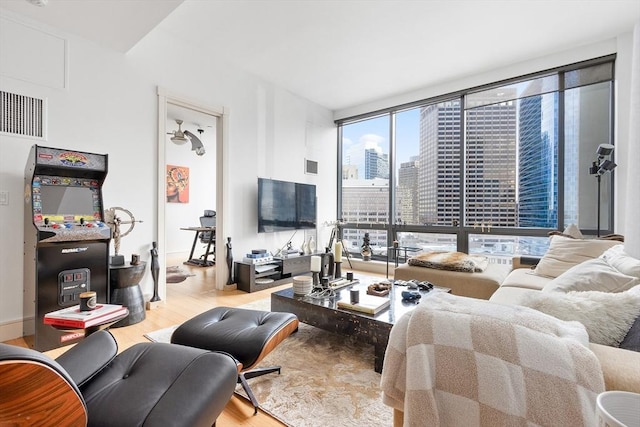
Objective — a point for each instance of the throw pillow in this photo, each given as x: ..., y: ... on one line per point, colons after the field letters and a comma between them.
x: 618, y: 259
x: 573, y: 231
x: 606, y: 316
x: 632, y: 340
x: 564, y: 253
x: 592, y: 275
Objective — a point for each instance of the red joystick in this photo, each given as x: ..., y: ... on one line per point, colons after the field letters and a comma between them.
x: 55, y: 226
x: 89, y: 224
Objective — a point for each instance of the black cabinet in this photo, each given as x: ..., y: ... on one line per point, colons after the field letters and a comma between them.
x: 252, y: 278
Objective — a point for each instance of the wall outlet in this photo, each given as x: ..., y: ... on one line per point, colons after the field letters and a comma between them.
x: 4, y: 198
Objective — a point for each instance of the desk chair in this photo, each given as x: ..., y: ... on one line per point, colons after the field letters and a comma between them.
x: 208, y: 220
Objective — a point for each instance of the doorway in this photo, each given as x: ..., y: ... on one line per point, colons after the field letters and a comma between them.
x: 190, y: 177
x: 207, y: 190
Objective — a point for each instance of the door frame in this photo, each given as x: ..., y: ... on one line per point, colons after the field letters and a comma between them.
x: 222, y: 122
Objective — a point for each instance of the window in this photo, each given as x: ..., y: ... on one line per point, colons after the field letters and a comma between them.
x: 365, y: 172
x: 511, y: 153
x: 493, y: 168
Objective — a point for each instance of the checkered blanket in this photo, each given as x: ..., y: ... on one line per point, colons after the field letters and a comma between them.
x: 461, y: 361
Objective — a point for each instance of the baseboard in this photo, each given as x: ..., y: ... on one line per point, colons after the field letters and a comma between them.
x: 152, y: 305
x: 16, y: 329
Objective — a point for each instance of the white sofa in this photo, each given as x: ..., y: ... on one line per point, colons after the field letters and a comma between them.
x: 621, y: 368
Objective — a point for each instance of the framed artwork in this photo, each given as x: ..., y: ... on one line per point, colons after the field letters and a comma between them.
x: 177, y: 184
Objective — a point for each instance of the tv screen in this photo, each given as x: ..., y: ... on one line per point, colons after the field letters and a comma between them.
x: 284, y: 205
x: 62, y: 200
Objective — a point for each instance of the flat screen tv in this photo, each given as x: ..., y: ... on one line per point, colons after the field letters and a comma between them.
x: 284, y: 205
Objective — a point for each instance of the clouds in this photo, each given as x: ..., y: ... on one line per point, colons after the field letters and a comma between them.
x: 354, y: 151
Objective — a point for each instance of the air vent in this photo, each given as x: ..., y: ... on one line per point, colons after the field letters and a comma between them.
x: 21, y: 115
x: 310, y: 167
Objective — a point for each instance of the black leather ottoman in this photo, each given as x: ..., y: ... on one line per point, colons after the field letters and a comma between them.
x: 248, y: 335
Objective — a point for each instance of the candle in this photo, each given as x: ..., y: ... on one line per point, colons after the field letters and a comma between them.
x: 337, y: 252
x: 316, y: 262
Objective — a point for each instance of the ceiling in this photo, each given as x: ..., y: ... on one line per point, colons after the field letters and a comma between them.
x: 343, y: 53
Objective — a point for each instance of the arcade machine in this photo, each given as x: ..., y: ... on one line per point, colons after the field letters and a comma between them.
x: 66, y: 242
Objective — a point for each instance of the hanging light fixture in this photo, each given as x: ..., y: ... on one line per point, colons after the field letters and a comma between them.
x: 178, y: 138
x: 196, y: 144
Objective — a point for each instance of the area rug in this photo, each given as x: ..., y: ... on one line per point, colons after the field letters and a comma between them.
x: 326, y: 379
x: 176, y: 275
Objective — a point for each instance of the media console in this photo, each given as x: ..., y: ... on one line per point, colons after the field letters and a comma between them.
x: 284, y: 269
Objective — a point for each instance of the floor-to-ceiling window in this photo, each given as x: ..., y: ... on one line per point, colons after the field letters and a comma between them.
x: 486, y: 170
x: 365, y: 183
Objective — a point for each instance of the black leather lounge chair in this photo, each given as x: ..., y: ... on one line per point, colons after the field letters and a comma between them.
x: 149, y: 384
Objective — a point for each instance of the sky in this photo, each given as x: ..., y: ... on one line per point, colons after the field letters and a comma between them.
x: 371, y: 133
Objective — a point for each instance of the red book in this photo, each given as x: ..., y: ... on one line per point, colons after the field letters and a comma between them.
x: 74, y: 318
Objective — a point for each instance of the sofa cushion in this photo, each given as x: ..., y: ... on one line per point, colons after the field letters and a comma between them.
x: 475, y: 285
x: 606, y: 316
x: 511, y: 295
x: 618, y: 259
x: 619, y: 367
x: 592, y: 275
x: 565, y: 252
x: 525, y: 278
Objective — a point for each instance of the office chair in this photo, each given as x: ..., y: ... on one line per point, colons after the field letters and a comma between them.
x: 208, y: 237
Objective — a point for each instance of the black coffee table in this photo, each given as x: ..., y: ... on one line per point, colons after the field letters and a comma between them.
x: 324, y: 313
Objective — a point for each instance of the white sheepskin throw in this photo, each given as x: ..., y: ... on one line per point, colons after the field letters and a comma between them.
x: 606, y: 316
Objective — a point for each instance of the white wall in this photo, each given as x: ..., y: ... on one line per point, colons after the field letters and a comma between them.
x: 110, y: 106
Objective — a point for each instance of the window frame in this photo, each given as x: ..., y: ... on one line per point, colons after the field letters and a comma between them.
x: 461, y: 230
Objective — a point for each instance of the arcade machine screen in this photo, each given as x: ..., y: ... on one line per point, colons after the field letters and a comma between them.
x: 65, y: 202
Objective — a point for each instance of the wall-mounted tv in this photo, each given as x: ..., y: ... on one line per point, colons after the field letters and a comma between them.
x: 284, y: 205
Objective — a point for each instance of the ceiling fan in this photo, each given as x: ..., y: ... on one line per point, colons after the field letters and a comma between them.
x: 180, y: 137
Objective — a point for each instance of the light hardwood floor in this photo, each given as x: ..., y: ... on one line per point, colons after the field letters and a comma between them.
x: 184, y: 300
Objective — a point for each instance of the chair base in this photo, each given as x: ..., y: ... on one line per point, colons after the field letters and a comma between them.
x: 253, y: 373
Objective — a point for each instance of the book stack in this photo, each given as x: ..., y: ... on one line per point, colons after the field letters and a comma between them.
x: 258, y: 257
x: 72, y: 317
x: 369, y: 304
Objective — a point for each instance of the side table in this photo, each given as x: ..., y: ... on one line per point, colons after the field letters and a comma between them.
x: 125, y: 290
x: 91, y: 329
x: 396, y: 251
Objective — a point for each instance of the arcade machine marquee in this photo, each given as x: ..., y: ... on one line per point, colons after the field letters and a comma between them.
x: 66, y: 242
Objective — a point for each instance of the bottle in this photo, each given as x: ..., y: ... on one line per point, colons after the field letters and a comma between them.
x: 312, y: 245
